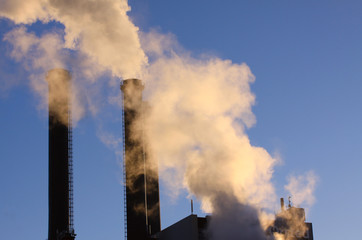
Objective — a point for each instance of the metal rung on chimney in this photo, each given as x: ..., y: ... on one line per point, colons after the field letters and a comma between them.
x: 70, y: 171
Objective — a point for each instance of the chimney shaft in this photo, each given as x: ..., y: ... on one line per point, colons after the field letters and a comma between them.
x: 60, y: 190
x: 142, y: 193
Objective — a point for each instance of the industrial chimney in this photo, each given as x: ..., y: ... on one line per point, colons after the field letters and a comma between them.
x: 60, y: 156
x: 142, y: 211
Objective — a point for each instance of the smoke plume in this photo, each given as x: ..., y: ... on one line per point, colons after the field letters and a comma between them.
x: 234, y: 220
x: 201, y: 108
x: 301, y: 188
x: 100, y: 29
x: 98, y: 38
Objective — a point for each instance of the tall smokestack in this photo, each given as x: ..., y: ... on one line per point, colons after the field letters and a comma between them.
x: 141, y: 178
x: 60, y: 157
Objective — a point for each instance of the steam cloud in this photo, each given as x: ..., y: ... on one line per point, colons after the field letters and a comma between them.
x: 302, y: 188
x: 200, y: 106
x: 99, y: 29
x: 200, y: 109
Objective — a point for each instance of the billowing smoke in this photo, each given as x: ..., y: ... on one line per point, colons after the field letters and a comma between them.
x: 301, y: 188
x: 200, y: 109
x: 100, y: 29
x: 101, y: 33
x: 232, y: 219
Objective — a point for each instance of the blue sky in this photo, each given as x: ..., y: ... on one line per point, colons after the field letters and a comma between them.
x: 306, y: 57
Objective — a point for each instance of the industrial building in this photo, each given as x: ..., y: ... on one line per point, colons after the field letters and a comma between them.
x: 289, y: 223
x: 191, y: 227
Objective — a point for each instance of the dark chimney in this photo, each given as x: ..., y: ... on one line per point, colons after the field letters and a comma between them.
x: 282, y: 204
x: 60, y: 156
x: 141, y: 177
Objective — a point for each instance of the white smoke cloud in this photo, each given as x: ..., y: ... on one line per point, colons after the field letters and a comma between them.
x: 104, y: 38
x: 301, y: 188
x: 36, y: 52
x: 26, y: 12
x: 201, y: 108
x: 100, y: 29
x: 38, y: 55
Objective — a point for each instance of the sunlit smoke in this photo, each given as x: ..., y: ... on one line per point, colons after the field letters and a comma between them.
x: 301, y: 189
x: 98, y: 38
x: 201, y: 108
x: 100, y: 29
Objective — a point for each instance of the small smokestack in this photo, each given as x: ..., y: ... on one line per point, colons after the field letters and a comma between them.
x: 60, y: 157
x: 289, y: 202
x: 282, y: 204
x: 192, y: 207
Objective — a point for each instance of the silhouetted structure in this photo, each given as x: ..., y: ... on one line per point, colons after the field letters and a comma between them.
x: 190, y: 228
x: 60, y: 157
x: 142, y: 212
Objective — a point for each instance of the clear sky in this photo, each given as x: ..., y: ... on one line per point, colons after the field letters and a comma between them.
x: 307, y: 60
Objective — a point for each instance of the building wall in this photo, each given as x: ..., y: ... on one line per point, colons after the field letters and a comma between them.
x: 187, y: 228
